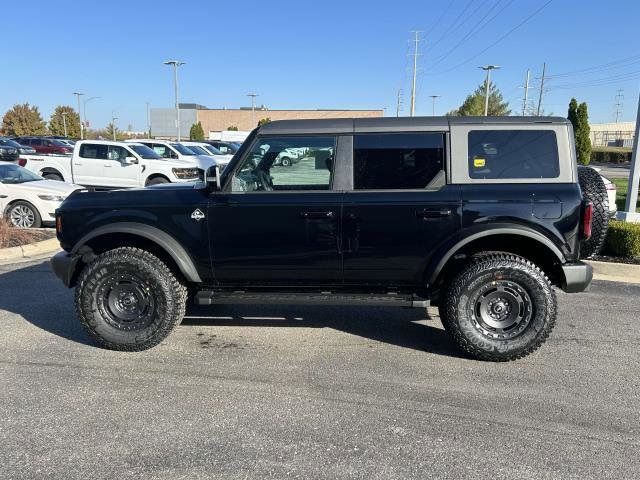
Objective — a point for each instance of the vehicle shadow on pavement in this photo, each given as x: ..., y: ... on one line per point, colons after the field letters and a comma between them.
x: 36, y: 295
x: 391, y: 325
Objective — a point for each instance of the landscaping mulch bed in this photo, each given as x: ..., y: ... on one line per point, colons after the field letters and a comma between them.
x: 607, y: 258
x: 15, y: 237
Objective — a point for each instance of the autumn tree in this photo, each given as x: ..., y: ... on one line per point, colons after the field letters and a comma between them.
x: 23, y: 119
x: 61, y: 115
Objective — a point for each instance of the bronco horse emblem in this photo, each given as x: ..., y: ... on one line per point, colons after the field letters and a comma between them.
x: 197, y: 215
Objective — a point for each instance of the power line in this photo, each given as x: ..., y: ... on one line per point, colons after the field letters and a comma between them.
x: 602, y: 81
x: 444, y: 12
x: 599, y: 68
x: 451, y: 27
x: 502, y: 37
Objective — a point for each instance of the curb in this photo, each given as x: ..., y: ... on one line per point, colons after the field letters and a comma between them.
x: 615, y: 272
x: 30, y: 250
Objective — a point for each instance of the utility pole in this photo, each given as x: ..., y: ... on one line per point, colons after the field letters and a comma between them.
x: 78, y: 94
x: 64, y: 123
x: 148, y: 120
x: 619, y: 104
x: 253, y: 108
x: 416, y: 41
x: 399, y: 103
x: 544, y: 71
x: 526, y: 94
x: 84, y: 112
x: 433, y: 104
x: 113, y: 124
x: 487, y: 85
x: 176, y: 64
x: 634, y: 177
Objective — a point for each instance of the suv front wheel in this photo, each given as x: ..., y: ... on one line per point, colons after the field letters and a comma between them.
x: 500, y: 307
x: 128, y: 299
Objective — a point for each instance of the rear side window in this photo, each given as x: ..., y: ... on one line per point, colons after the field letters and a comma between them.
x: 93, y: 150
x: 509, y: 154
x: 397, y: 161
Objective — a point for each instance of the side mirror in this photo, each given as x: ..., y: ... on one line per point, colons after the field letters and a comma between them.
x: 130, y: 161
x: 212, y: 177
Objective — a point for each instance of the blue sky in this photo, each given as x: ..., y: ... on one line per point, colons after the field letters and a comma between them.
x: 329, y: 54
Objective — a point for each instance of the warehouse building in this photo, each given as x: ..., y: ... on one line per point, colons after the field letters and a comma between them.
x: 215, y: 120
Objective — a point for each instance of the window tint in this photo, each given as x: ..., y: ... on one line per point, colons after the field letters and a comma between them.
x: 287, y: 163
x: 505, y: 154
x: 118, y: 153
x: 397, y: 160
x: 163, y: 151
x: 93, y: 150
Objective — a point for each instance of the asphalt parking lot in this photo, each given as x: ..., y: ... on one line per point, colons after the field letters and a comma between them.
x: 300, y: 392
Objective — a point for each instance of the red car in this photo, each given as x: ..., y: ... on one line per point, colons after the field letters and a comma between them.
x: 46, y: 146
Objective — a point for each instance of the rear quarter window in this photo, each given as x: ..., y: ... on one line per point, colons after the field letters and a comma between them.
x: 92, y: 150
x: 513, y: 154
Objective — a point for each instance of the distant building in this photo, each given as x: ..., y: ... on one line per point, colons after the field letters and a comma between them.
x: 216, y: 120
x: 612, y: 134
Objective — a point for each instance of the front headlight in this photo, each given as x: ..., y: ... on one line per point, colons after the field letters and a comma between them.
x: 184, y: 173
x: 52, y: 198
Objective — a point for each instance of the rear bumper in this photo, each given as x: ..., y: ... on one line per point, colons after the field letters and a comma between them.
x: 578, y: 276
x: 64, y: 266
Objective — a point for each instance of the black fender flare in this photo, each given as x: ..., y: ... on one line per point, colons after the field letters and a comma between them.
x: 162, y: 239
x: 434, y: 268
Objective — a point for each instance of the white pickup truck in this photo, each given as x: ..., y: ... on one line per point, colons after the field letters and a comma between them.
x: 107, y: 164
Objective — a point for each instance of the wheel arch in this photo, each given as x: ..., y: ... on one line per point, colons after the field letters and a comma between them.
x: 140, y: 235
x: 521, y: 241
x: 156, y: 175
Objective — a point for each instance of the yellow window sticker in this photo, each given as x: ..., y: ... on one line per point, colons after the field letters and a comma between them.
x: 479, y: 162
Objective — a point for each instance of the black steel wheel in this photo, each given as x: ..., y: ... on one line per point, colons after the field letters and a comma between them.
x: 499, y: 308
x: 594, y: 190
x: 128, y: 299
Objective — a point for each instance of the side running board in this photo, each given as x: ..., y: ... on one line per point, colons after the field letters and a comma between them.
x: 210, y: 297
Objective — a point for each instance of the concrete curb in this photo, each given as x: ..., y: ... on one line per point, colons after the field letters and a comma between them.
x: 30, y: 250
x: 615, y: 272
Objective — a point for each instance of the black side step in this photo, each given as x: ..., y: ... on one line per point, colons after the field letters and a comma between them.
x: 209, y: 297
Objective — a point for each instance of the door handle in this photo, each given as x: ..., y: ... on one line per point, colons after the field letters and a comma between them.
x: 433, y: 213
x: 316, y: 215
x: 4, y: 196
x: 77, y: 163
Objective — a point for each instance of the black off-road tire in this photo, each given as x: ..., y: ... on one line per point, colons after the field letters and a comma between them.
x: 594, y: 190
x: 136, y: 276
x: 484, y: 282
x: 157, y: 181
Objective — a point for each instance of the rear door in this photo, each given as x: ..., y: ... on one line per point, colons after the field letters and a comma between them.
x: 400, y: 208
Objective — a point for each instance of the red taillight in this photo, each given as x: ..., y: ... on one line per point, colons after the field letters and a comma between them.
x: 22, y: 162
x: 587, y: 220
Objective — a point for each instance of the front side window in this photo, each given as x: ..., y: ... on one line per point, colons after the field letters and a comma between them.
x: 285, y: 164
x: 164, y: 151
x: 182, y: 150
x: 397, y: 161
x: 94, y: 150
x: 118, y: 153
x: 145, y: 152
x: 513, y: 154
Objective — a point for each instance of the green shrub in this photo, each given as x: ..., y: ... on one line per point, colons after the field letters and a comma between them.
x: 623, y: 239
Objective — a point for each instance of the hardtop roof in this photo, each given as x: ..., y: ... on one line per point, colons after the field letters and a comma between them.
x: 393, y: 124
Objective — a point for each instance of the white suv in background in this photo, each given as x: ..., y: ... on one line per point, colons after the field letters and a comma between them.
x: 202, y: 148
x: 107, y: 164
x: 176, y: 151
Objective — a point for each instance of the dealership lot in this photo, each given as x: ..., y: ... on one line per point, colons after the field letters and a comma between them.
x: 301, y: 392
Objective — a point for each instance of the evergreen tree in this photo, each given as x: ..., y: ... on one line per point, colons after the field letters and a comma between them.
x: 474, y: 103
x: 23, y: 119
x: 56, y: 122
x: 583, y: 140
x: 572, y: 114
x: 232, y: 128
x: 263, y: 121
x: 196, y: 133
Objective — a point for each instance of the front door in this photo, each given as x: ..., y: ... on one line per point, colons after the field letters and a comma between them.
x: 118, y: 173
x: 276, y: 224
x: 400, y: 208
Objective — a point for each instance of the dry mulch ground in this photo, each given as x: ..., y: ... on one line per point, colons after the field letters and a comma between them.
x: 14, y: 237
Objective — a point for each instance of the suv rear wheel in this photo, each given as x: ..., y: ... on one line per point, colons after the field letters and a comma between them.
x: 128, y: 299
x: 499, y: 308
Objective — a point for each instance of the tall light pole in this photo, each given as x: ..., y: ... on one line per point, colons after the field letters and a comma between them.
x: 84, y: 109
x: 176, y: 64
x: 64, y: 122
x: 433, y: 104
x: 113, y: 124
x: 78, y: 94
x: 253, y: 108
x: 487, y: 84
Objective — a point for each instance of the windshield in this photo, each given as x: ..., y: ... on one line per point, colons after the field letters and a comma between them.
x: 9, y: 143
x: 212, y: 150
x: 197, y: 149
x: 14, y: 174
x: 145, y: 152
x: 182, y: 150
